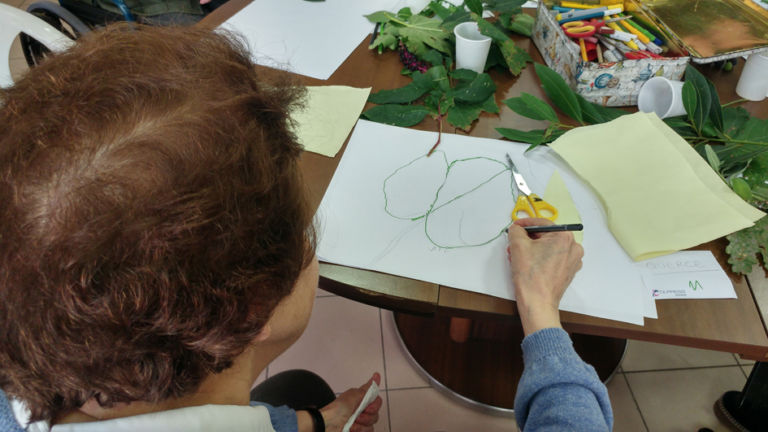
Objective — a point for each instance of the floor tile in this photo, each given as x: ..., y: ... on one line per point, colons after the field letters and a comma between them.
x: 682, y: 400
x: 383, y: 424
x: 400, y: 372
x: 342, y: 344
x: 744, y: 361
x: 626, y: 414
x: 646, y: 356
x: 427, y: 410
x: 747, y: 370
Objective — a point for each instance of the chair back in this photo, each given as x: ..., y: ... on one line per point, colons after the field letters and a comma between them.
x: 14, y: 21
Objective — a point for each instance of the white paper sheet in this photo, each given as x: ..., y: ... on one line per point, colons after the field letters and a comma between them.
x: 686, y: 275
x: 305, y: 37
x: 366, y: 217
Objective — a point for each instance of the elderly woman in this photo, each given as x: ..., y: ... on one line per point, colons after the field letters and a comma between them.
x: 156, y: 247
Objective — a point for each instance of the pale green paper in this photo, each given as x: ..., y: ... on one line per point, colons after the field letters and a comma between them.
x: 330, y: 114
x: 557, y: 194
x: 659, y: 195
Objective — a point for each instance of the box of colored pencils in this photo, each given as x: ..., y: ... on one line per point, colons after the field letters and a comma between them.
x: 609, y: 65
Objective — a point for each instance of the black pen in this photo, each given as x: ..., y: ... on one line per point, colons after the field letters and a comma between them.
x: 553, y: 228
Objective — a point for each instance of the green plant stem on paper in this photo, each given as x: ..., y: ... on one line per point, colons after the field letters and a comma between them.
x: 734, y: 143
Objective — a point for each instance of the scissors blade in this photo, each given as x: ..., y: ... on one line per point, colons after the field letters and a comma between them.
x: 522, y: 186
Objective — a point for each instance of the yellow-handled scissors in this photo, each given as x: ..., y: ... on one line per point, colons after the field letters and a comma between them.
x: 528, y: 203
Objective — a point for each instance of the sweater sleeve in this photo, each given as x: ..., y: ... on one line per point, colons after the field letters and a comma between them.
x: 283, y: 418
x: 558, y: 391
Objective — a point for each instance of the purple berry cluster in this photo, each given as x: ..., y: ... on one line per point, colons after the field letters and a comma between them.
x: 410, y: 61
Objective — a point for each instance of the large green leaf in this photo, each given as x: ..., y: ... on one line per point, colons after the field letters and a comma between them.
x: 680, y: 125
x: 594, y: 113
x: 733, y: 120
x: 397, y: 115
x: 415, y: 89
x: 559, y: 92
x: 735, y: 156
x: 422, y: 33
x: 462, y: 115
x: 715, y: 111
x: 744, y: 246
x: 530, y: 106
x: 531, y: 137
x: 476, y: 90
x: 514, y: 56
x: 520, y: 23
x: 475, y: 6
x: 741, y: 188
x: 697, y: 99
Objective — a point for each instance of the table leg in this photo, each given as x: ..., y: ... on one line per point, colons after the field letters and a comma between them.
x: 483, y: 371
x: 747, y: 410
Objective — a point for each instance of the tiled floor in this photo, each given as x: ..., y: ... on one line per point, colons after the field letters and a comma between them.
x: 659, y: 388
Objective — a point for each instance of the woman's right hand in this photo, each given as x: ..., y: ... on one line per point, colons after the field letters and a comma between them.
x: 542, y: 267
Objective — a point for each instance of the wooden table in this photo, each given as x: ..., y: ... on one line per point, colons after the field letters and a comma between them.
x: 733, y: 325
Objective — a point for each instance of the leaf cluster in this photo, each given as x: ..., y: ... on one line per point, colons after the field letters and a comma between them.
x: 458, y: 97
x: 569, y: 102
x: 432, y: 30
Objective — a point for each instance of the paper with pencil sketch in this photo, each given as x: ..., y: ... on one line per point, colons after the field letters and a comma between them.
x: 442, y: 219
x: 305, y: 37
x: 328, y: 116
x: 660, y: 195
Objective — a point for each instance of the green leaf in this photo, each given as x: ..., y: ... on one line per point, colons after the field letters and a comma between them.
x: 456, y: 17
x: 380, y: 17
x: 733, y: 119
x: 559, y: 92
x: 735, y: 156
x: 408, y: 93
x: 514, y: 56
x: 744, y: 246
x: 422, y: 33
x: 475, y: 6
x: 463, y: 74
x: 741, y: 188
x: 404, y: 13
x: 696, y: 97
x: 397, y: 115
x: 680, y: 125
x: 433, y: 57
x: 531, y: 137
x: 476, y: 90
x: 594, y: 113
x: 715, y: 111
x: 712, y: 158
x: 756, y: 174
x: 520, y: 23
x: 505, y: 6
x: 462, y: 115
x: 530, y: 106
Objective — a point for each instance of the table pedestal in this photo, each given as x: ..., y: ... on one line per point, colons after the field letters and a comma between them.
x: 484, y: 371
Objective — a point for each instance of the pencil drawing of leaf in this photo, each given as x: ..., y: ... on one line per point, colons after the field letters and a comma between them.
x: 409, y: 190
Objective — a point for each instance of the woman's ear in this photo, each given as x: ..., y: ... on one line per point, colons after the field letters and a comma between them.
x: 264, y: 334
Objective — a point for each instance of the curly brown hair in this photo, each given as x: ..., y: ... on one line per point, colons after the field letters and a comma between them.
x: 152, y: 217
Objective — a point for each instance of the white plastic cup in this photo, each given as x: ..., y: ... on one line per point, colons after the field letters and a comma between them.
x: 753, y: 82
x: 471, y: 47
x: 662, y: 96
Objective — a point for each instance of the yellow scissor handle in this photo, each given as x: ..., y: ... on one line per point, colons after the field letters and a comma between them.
x: 533, y: 206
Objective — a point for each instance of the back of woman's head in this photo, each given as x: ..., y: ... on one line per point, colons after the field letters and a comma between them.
x: 152, y: 216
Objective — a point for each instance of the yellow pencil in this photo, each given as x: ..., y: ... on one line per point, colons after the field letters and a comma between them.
x: 575, y: 5
x: 643, y: 38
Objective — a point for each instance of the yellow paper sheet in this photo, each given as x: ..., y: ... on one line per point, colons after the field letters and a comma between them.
x: 659, y: 195
x: 557, y: 194
x: 330, y: 114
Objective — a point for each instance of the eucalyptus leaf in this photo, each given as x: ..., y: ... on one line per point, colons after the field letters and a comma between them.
x: 559, y: 92
x: 594, y: 113
x: 715, y: 110
x: 532, y: 107
x: 397, y: 115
